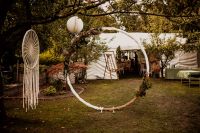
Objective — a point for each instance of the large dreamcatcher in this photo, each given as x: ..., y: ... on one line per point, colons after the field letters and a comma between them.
x: 30, y: 54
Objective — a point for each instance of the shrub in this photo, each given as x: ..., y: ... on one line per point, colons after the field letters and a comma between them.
x: 58, y: 84
x: 146, y: 84
x: 51, y: 90
x: 48, y: 57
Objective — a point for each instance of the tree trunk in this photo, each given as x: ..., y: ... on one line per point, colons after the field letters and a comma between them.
x: 66, y: 69
x: 6, y: 43
x: 162, y: 68
x: 162, y: 72
x: 3, y: 115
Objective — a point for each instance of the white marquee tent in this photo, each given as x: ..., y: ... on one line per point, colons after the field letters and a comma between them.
x: 102, y: 70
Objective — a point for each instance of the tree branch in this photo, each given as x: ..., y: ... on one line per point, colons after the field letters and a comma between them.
x: 139, y: 13
x: 57, y: 15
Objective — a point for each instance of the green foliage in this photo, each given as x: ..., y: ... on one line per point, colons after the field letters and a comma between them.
x: 118, y: 53
x: 163, y: 49
x: 58, y: 84
x: 51, y: 90
x: 164, y: 16
x: 90, y: 49
x: 146, y: 84
x: 44, y: 8
x: 191, y: 47
x: 55, y: 38
x: 49, y: 58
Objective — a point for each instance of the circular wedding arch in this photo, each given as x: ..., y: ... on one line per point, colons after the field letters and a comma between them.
x: 120, y: 106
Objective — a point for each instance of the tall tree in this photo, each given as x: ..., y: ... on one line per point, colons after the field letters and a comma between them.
x: 162, y: 49
x: 18, y: 16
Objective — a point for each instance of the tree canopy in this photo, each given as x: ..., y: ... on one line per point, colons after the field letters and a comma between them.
x: 162, y: 50
x: 48, y: 18
x: 17, y: 16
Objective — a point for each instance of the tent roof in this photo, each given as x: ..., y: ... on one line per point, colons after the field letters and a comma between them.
x: 113, y: 40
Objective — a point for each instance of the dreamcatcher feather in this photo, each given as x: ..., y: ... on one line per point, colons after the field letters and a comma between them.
x: 30, y: 54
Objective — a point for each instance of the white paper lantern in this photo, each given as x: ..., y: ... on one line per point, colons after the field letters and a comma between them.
x: 75, y: 24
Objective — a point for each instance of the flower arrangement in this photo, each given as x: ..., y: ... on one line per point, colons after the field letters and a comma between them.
x: 146, y: 84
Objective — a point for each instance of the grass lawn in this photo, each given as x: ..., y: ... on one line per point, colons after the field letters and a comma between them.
x: 168, y: 107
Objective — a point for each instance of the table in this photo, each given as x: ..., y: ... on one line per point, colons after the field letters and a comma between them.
x: 186, y: 74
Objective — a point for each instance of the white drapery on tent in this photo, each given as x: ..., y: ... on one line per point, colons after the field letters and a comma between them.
x: 184, y: 60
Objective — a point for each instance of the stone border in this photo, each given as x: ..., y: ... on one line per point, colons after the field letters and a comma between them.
x: 48, y: 97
